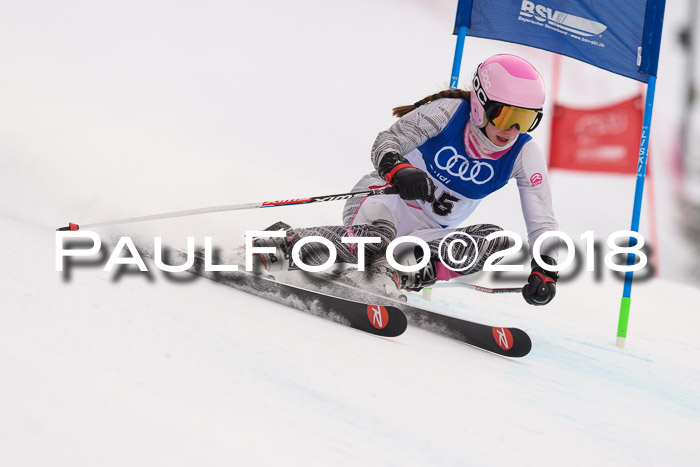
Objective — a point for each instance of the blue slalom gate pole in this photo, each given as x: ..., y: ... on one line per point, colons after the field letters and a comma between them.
x: 636, y: 213
x: 457, y: 63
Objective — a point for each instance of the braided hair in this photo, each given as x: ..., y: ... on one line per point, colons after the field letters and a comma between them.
x: 449, y: 93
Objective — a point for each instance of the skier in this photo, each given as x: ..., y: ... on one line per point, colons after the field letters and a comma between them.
x: 444, y: 155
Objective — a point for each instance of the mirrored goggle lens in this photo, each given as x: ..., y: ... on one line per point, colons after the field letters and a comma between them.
x: 505, y: 116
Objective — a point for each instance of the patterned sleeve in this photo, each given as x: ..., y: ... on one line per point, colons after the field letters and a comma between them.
x: 530, y: 171
x: 414, y: 128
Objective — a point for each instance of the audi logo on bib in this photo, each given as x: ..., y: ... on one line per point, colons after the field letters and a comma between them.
x: 467, y: 170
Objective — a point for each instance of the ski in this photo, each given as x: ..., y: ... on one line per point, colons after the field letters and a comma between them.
x: 505, y: 341
x: 331, y: 297
x: 509, y: 342
x: 372, y: 317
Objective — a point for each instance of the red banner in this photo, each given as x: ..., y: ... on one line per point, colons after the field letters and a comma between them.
x: 604, y: 139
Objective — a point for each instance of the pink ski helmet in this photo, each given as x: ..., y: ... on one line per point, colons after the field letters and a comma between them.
x: 507, y: 90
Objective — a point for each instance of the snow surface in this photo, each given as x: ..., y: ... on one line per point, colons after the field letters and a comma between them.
x: 112, y: 111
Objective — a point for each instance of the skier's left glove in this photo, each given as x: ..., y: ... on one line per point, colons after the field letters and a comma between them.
x: 541, y: 286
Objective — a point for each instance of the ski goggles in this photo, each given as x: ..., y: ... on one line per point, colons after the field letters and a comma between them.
x: 505, y: 116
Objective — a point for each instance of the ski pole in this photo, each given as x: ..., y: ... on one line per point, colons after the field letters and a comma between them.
x: 478, y: 288
x: 373, y: 191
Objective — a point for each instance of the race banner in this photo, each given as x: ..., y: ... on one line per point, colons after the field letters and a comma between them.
x: 619, y: 36
x: 604, y: 139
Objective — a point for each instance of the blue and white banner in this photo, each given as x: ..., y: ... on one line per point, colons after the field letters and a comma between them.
x: 620, y: 36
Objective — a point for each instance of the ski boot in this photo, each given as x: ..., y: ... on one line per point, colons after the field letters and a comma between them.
x: 378, y: 278
x: 416, y: 280
x: 279, y: 260
x: 383, y: 279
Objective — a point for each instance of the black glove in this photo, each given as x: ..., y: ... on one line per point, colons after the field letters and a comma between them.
x: 412, y: 182
x: 541, y: 286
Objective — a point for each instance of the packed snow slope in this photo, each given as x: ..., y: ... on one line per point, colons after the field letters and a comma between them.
x: 108, y: 369
x: 112, y: 111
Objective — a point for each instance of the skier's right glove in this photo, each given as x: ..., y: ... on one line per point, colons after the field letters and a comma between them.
x: 411, y: 182
x: 541, y: 286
